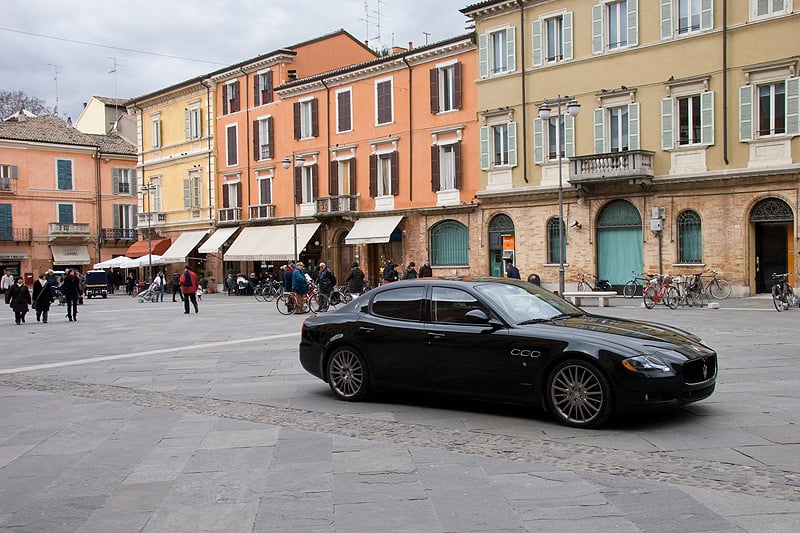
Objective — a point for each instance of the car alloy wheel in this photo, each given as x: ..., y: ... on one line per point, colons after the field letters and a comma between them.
x: 579, y: 394
x: 347, y: 375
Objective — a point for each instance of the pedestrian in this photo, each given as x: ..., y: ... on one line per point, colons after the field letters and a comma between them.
x: 176, y: 286
x: 512, y: 271
x: 425, y: 270
x: 202, y: 287
x: 158, y: 287
x: 6, y: 282
x: 299, y: 286
x: 326, y: 281
x: 410, y: 272
x: 43, y: 296
x: 189, y: 284
x: 355, y: 280
x: 390, y: 272
x: 288, y: 274
x: 71, y: 289
x: 20, y: 300
x: 129, y: 283
x: 230, y: 284
x: 110, y: 281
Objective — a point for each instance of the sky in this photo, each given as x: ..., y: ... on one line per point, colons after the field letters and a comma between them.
x: 66, y: 51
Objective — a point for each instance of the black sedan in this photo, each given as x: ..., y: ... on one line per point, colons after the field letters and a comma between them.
x: 505, y: 340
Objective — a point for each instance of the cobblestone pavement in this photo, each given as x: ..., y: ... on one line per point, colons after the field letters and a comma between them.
x: 140, y: 418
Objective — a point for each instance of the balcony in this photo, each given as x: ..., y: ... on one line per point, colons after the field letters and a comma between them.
x: 635, y: 167
x: 154, y: 219
x: 58, y: 230
x: 331, y: 205
x: 118, y: 234
x: 16, y: 234
x: 261, y: 211
x: 229, y: 214
x: 8, y: 185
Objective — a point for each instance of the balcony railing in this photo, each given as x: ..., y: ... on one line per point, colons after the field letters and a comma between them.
x: 118, y: 234
x: 8, y: 185
x: 229, y: 214
x: 58, y: 229
x: 634, y: 164
x: 337, y: 204
x: 261, y: 211
x: 16, y: 234
x: 155, y: 218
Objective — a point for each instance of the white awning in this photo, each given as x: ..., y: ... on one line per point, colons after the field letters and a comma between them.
x: 77, y: 254
x: 270, y: 243
x: 182, y: 246
x: 216, y: 240
x: 372, y: 230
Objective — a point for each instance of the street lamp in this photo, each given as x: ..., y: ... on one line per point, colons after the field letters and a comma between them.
x: 148, y: 191
x: 287, y: 162
x: 573, y: 108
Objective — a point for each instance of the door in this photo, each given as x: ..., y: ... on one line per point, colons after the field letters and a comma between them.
x: 772, y: 220
x: 619, y: 243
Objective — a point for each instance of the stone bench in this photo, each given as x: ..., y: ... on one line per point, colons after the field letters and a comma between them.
x: 602, y: 296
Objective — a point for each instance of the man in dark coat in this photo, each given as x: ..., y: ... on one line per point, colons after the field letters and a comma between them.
x: 390, y: 273
x: 355, y: 280
x: 19, y: 300
x: 43, y: 296
x: 512, y: 271
x: 71, y: 289
x: 425, y: 270
x: 326, y: 281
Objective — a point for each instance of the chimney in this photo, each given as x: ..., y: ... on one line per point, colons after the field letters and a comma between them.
x: 69, y: 122
x: 410, y: 45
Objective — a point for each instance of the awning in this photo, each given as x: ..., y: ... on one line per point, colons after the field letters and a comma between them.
x: 372, y: 230
x: 182, y: 246
x: 270, y: 243
x: 77, y: 254
x: 216, y: 240
x: 139, y: 248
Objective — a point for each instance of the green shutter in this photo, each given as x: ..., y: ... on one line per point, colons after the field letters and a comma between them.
x: 65, y: 214
x: 511, y: 49
x: 6, y: 223
x: 569, y: 136
x: 483, y: 55
x: 597, y: 29
x: 633, y: 127
x: 538, y: 141
x: 707, y: 118
x: 64, y: 174
x: 536, y: 44
x: 633, y: 22
x: 793, y: 107
x: 512, y: 144
x: 707, y: 15
x: 566, y: 35
x: 667, y: 124
x: 745, y: 113
x: 115, y: 181
x: 484, y: 147
x: 666, y: 19
x: 599, y: 131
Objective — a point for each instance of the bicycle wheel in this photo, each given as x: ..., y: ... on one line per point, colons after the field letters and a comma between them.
x: 778, y: 297
x: 630, y: 289
x: 286, y: 303
x: 719, y: 288
x: 583, y: 286
x: 693, y: 297
x: 258, y: 293
x: 649, y: 296
x: 672, y: 297
x: 312, y: 301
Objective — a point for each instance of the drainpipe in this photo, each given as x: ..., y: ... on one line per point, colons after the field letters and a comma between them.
x: 139, y: 179
x: 99, y: 202
x: 410, y: 134
x: 247, y: 136
x: 725, y: 80
x: 211, y: 175
x: 328, y: 133
x: 522, y: 79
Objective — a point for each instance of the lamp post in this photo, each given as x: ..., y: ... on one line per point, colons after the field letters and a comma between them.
x: 287, y: 162
x: 148, y: 191
x: 573, y: 108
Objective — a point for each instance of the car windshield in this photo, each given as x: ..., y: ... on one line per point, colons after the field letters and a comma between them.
x: 523, y: 303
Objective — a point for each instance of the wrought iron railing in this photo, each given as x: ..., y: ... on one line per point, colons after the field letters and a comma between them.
x: 16, y: 234
x: 118, y: 234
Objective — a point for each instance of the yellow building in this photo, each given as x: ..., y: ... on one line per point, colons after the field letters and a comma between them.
x: 683, y: 151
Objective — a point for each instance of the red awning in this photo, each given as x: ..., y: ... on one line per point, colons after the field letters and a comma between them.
x: 139, y: 248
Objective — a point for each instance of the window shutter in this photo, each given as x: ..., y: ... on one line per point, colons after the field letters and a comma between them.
x: 266, y: 191
x: 434, y: 76
x: 226, y: 196
x: 435, y: 169
x: 537, y: 58
x: 298, y: 184
x: 597, y: 29
x: 484, y: 147
x: 187, y: 124
x: 746, y: 113
x: 114, y: 181
x: 633, y: 127
x: 667, y: 124
x: 633, y: 22
x: 225, y: 110
x: 512, y: 48
x: 315, y: 118
x: 512, y: 144
x: 256, y: 90
x: 395, y: 174
x: 134, y: 181
x: 235, y: 97
x: 566, y: 35
x: 238, y: 188
x: 793, y: 107
x: 297, y: 125
x: 457, y: 85
x: 270, y: 138
x: 269, y: 93
x: 599, y: 131
x: 256, y: 140
x: 373, y: 175
x: 483, y: 55
x: 314, y: 170
x: 707, y: 118
x: 538, y: 141
x: 116, y: 216
x: 187, y: 193
x: 352, y: 177
x: 666, y: 22
x: 569, y: 136
x: 14, y: 171
x: 457, y: 158
x: 65, y: 214
x: 707, y: 15
x: 64, y: 169
x: 333, y: 178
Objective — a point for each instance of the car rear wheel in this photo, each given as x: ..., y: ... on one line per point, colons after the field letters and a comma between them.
x: 347, y: 375
x: 578, y: 394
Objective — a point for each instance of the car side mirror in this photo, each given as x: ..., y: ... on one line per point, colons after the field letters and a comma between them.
x: 478, y: 317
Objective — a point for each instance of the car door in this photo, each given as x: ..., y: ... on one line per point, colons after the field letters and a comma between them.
x: 461, y: 356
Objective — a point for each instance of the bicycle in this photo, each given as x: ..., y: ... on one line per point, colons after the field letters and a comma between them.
x: 633, y: 287
x: 287, y: 304
x: 691, y: 290
x: 782, y: 292
x: 718, y: 288
x: 267, y: 291
x: 661, y: 290
x: 602, y: 284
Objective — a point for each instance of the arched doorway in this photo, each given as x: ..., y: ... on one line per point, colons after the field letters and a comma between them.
x: 500, y: 227
x: 773, y: 228
x: 619, y: 242
x: 345, y: 255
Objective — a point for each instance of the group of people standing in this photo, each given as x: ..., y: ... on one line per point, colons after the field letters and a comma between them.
x: 45, y: 292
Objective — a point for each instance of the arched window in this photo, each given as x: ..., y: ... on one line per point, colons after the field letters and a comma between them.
x: 554, y: 241
x: 690, y: 238
x: 449, y: 242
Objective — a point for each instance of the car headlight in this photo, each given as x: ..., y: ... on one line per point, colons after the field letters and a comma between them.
x: 646, y: 364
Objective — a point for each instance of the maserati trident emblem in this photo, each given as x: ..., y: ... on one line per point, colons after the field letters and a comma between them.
x: 705, y: 370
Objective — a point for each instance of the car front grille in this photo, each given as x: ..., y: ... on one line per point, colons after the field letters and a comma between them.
x: 700, y: 370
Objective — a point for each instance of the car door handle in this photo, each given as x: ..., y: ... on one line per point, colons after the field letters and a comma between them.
x: 366, y: 331
x: 432, y: 335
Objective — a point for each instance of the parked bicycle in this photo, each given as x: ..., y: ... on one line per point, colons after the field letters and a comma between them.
x: 267, y: 291
x: 717, y: 287
x: 634, y: 286
x: 661, y: 290
x: 782, y: 292
x: 602, y: 284
x: 690, y: 288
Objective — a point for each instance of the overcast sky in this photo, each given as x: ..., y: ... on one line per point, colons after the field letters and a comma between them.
x: 69, y: 49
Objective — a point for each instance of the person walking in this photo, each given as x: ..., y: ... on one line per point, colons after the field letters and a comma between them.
x: 355, y: 280
x: 6, y: 282
x: 71, y: 289
x: 43, y: 296
x: 410, y: 272
x: 176, y: 286
x: 189, y: 284
x: 512, y: 271
x: 157, y: 287
x: 20, y: 299
x: 326, y: 281
x: 390, y: 272
x: 299, y: 286
x: 425, y: 270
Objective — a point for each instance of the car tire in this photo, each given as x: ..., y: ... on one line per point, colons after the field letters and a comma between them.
x: 347, y: 374
x: 579, y: 394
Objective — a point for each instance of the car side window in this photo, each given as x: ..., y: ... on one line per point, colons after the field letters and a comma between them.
x: 402, y: 303
x: 452, y: 305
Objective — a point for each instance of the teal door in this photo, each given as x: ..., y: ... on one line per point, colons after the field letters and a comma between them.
x: 619, y: 243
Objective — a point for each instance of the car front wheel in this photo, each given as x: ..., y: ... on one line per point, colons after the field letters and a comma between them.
x: 578, y: 394
x: 348, y: 376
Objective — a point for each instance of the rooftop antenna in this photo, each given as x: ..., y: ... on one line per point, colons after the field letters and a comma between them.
x: 56, y: 72
x: 426, y: 34
x: 114, y: 71
x: 373, y: 18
